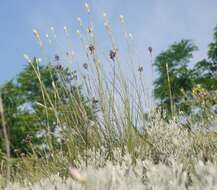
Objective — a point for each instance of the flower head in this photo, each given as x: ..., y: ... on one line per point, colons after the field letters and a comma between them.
x: 57, y: 58
x: 92, y: 49
x: 130, y: 36
x: 113, y: 54
x: 65, y: 29
x: 36, y: 34
x: 79, y: 21
x: 27, y: 58
x: 122, y: 19
x: 150, y: 49
x: 85, y: 65
x: 140, y: 69
x: 87, y: 7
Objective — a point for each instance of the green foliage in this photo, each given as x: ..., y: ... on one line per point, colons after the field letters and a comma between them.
x: 206, y: 70
x: 28, y: 100
x: 180, y: 76
x: 182, y: 79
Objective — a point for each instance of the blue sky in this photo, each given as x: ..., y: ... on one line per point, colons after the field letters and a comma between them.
x: 156, y: 23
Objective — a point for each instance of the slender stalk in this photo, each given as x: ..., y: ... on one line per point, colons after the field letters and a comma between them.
x: 7, y: 141
x: 170, y: 91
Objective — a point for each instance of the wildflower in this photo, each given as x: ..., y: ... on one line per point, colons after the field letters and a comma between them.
x: 150, y: 49
x: 87, y: 7
x: 85, y: 65
x: 57, y: 58
x: 113, y: 54
x: 140, y: 69
x: 92, y: 49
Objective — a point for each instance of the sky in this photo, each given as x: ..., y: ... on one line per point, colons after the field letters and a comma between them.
x: 156, y: 23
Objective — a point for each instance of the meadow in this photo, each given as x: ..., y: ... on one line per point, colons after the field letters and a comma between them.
x: 103, y: 127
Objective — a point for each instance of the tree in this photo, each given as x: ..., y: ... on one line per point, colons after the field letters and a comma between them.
x: 206, y: 69
x: 35, y: 100
x: 175, y: 79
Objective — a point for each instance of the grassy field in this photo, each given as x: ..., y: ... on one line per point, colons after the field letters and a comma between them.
x: 126, y: 142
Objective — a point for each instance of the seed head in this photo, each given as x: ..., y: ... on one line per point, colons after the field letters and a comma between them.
x: 90, y: 29
x: 130, y: 36
x: 85, y: 65
x: 65, y: 29
x: 27, y: 58
x: 113, y: 54
x: 150, y: 49
x: 140, y: 69
x: 36, y: 33
x: 122, y: 19
x: 59, y: 67
x: 57, y: 58
x: 87, y: 7
x: 79, y: 21
x: 39, y: 60
x: 37, y: 37
x: 92, y: 49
